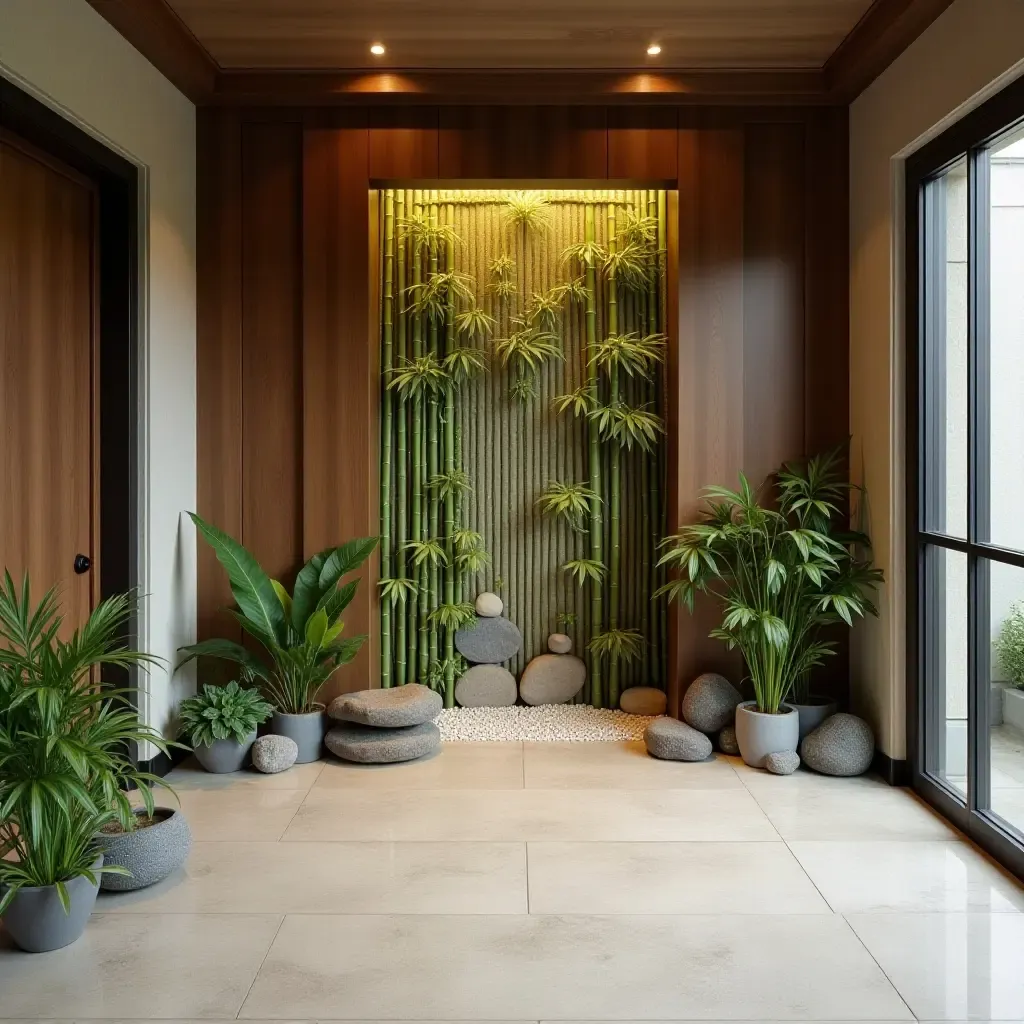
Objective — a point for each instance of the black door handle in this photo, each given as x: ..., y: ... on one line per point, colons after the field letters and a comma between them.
x: 83, y: 563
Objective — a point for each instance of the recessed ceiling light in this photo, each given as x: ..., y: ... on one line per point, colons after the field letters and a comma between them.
x: 653, y: 50
x: 377, y: 49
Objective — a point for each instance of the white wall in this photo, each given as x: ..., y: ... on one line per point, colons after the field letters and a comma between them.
x: 68, y: 56
x: 973, y: 49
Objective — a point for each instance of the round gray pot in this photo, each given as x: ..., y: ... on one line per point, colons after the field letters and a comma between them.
x: 150, y: 854
x: 37, y: 921
x: 222, y: 756
x: 759, y: 735
x: 307, y: 730
x: 813, y: 713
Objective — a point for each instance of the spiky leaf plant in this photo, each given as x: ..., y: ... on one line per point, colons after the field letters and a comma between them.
x: 573, y: 502
x: 454, y: 483
x: 464, y: 539
x: 426, y: 232
x: 523, y: 389
x: 529, y: 211
x: 429, y: 553
x: 504, y: 287
x: 397, y: 590
x: 528, y: 348
x: 472, y: 561
x: 566, y: 620
x: 580, y: 402
x: 617, y: 645
x: 585, y: 569
x: 444, y: 671
x: 585, y: 254
x: 463, y: 364
x: 629, y: 266
x: 452, y: 616
x: 639, y: 229
x: 637, y: 356
x: 627, y: 425
x: 544, y: 310
x: 420, y: 376
x: 474, y: 322
x: 573, y: 291
x: 222, y: 713
x: 503, y: 266
x: 440, y: 292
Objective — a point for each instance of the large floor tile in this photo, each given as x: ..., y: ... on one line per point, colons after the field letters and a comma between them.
x: 191, y: 775
x: 339, y: 878
x: 851, y: 814
x: 669, y: 878
x: 177, y: 965
x: 875, y: 877
x: 758, y: 780
x: 456, y: 766
x: 241, y: 815
x: 530, y: 814
x: 618, y: 766
x: 545, y: 967
x: 950, y: 966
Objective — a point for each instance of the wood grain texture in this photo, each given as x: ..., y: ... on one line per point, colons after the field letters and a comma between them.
x: 403, y: 143
x: 557, y: 143
x: 642, y: 144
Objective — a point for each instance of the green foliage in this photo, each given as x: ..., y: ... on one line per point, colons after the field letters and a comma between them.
x: 637, y: 356
x: 527, y: 210
x: 544, y: 310
x: 454, y: 483
x: 566, y: 620
x: 426, y: 233
x: 523, y: 389
x: 474, y: 322
x: 396, y: 590
x: 574, y: 502
x: 617, y: 645
x: 301, y: 634
x: 584, y: 569
x: 639, y: 230
x: 504, y: 288
x: 65, y: 738
x: 452, y: 616
x: 444, y: 668
x: 420, y: 376
x: 473, y: 561
x: 585, y: 254
x: 463, y: 364
x: 1010, y: 645
x: 782, y: 571
x: 428, y: 553
x: 464, y: 540
x: 503, y: 266
x: 528, y: 348
x: 629, y: 266
x: 222, y: 713
x: 627, y: 425
x: 439, y: 294
x: 573, y: 291
x: 580, y: 402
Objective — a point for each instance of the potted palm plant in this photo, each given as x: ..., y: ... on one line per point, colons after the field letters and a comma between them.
x: 64, y: 768
x: 220, y: 722
x: 782, y: 573
x: 300, y: 633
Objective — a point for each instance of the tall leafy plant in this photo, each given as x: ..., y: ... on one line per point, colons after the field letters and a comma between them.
x: 783, y: 571
x: 300, y: 633
x: 65, y: 740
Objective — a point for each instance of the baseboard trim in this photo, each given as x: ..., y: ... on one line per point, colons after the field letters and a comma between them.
x: 162, y: 763
x: 895, y: 772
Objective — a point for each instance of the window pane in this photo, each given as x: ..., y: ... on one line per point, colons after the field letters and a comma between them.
x: 945, y: 665
x: 945, y: 353
x: 1005, y: 376
x: 1005, y: 587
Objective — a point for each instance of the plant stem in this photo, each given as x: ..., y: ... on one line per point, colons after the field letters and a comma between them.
x: 615, y: 471
x: 597, y: 519
x: 385, y: 442
x: 401, y: 483
x: 449, y: 467
x: 417, y: 436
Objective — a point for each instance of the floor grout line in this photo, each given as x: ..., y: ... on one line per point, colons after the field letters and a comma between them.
x: 885, y: 974
x: 241, y: 1005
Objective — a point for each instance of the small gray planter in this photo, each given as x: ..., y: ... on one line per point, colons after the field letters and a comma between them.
x: 222, y: 756
x: 150, y: 854
x: 759, y: 735
x: 307, y: 730
x: 813, y: 713
x: 36, y: 920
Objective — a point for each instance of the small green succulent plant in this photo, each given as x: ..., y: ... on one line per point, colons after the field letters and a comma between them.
x: 223, y: 713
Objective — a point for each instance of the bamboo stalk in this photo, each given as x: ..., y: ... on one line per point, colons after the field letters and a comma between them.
x: 417, y: 463
x: 615, y: 471
x: 433, y: 414
x: 659, y: 469
x: 401, y: 482
x: 597, y: 519
x: 449, y: 466
x: 385, y: 430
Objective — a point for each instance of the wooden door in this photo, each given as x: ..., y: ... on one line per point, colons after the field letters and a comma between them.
x: 48, y: 408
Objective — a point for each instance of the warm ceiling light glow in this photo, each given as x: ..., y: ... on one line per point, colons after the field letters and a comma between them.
x: 653, y: 50
x: 377, y: 49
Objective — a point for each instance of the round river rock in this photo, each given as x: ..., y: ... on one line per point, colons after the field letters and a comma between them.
x: 272, y: 754
x: 488, y: 641
x: 397, y: 706
x: 486, y: 686
x: 785, y: 762
x: 368, y: 744
x: 676, y: 741
x: 559, y: 643
x: 643, y: 700
x: 842, y: 745
x: 710, y: 702
x: 488, y: 605
x: 727, y: 741
x: 552, y: 679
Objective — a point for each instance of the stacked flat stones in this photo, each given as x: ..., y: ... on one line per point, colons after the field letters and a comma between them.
x: 486, y: 644
x: 553, y: 678
x: 384, y: 726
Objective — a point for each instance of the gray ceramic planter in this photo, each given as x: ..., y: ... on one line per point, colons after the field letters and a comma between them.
x: 150, y: 854
x: 222, y: 756
x: 759, y: 735
x: 813, y: 713
x: 36, y: 920
x: 307, y: 730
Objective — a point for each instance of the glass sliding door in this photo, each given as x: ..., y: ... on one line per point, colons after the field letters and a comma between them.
x: 965, y: 462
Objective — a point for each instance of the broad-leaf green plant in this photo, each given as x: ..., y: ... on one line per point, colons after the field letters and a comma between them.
x: 572, y: 502
x: 228, y: 712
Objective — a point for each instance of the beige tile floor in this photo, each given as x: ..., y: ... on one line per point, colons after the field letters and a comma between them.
x: 546, y: 882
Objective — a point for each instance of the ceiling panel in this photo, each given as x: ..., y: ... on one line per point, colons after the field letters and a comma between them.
x: 511, y: 34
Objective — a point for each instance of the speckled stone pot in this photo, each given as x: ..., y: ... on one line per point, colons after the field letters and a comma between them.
x: 150, y: 854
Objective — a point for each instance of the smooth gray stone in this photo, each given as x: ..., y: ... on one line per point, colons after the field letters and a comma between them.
x: 710, y: 703
x: 552, y: 679
x: 397, y: 706
x: 676, y: 741
x: 785, y: 762
x: 727, y: 741
x: 150, y: 854
x: 272, y: 754
x: 488, y: 605
x: 489, y: 641
x: 643, y: 700
x: 842, y: 745
x: 370, y: 744
x: 559, y: 643
x: 486, y: 686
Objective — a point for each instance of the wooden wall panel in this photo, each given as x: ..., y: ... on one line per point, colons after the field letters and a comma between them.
x: 523, y: 142
x: 403, y: 143
x: 643, y: 145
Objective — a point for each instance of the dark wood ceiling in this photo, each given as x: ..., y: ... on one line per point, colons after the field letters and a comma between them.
x: 550, y: 34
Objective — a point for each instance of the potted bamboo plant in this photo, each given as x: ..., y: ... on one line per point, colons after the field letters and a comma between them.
x: 220, y: 722
x: 300, y: 633
x: 64, y: 770
x: 782, y: 573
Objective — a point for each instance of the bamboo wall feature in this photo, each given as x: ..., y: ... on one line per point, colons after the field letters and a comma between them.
x: 521, y: 434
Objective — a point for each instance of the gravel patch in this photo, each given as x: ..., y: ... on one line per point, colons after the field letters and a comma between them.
x: 548, y: 723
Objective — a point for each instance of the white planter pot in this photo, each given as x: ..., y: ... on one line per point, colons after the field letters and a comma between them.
x: 759, y: 735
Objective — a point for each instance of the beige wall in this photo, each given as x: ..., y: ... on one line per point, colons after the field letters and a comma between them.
x: 64, y: 53
x: 967, y: 54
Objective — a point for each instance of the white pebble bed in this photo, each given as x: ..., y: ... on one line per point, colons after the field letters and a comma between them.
x: 550, y: 723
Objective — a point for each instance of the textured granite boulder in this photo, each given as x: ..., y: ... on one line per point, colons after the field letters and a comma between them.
x: 785, y: 762
x: 710, y: 703
x: 552, y: 679
x: 488, y: 605
x: 369, y: 744
x: 727, y: 743
x: 393, y: 708
x: 559, y: 643
x: 643, y: 700
x: 489, y: 641
x: 676, y: 741
x: 841, y: 745
x: 272, y: 754
x: 486, y: 686
x: 150, y: 854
